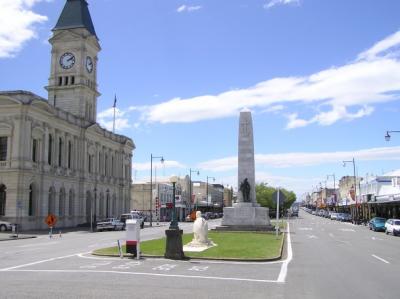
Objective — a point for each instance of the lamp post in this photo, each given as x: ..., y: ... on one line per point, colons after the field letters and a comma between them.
x: 190, y: 183
x: 151, y: 184
x: 174, y: 248
x: 387, y: 136
x: 355, y: 182
x: 174, y: 222
x: 208, y: 177
x: 334, y: 186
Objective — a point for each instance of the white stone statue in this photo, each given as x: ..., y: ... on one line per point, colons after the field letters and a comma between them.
x: 200, y: 230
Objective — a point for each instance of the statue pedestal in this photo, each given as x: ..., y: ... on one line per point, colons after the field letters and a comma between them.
x: 244, y: 216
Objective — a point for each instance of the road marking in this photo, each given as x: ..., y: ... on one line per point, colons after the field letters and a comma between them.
x: 149, y: 274
x: 347, y: 230
x: 284, y: 268
x: 38, y: 262
x: 312, y: 237
x: 165, y: 267
x: 377, y: 239
x: 331, y: 235
x: 305, y: 228
x: 381, y: 259
x: 198, y: 268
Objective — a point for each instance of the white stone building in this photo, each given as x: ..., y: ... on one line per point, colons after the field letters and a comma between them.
x: 54, y: 156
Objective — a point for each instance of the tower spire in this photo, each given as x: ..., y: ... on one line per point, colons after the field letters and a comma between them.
x: 75, y: 15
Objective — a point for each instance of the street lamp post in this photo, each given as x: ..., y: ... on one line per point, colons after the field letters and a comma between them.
x: 208, y: 177
x: 387, y: 136
x: 355, y: 182
x: 174, y: 222
x: 174, y: 247
x: 190, y: 183
x: 151, y: 184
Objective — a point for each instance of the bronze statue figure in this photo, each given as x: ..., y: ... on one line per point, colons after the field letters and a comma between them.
x: 245, y: 189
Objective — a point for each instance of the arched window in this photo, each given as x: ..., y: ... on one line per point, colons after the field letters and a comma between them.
x: 88, y: 208
x: 60, y: 151
x: 51, y: 203
x: 71, y: 203
x: 49, y: 155
x: 102, y: 205
x: 69, y: 154
x: 108, y: 204
x: 31, y: 204
x: 2, y: 200
x: 61, y: 202
x: 114, y: 206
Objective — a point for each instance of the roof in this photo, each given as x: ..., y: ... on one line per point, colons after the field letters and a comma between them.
x: 75, y: 15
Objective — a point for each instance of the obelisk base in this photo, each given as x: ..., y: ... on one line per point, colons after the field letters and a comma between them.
x: 245, y: 217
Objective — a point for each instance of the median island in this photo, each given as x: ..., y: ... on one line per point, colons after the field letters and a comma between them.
x: 230, y: 246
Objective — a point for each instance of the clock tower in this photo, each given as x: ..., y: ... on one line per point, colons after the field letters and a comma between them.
x: 73, y: 75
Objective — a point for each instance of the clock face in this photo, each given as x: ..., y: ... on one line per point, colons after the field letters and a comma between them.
x: 89, y: 64
x: 67, y: 60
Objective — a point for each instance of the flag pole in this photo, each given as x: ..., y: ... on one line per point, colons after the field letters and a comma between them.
x: 115, y: 104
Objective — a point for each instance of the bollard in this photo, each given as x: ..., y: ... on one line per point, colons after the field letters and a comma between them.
x: 60, y: 234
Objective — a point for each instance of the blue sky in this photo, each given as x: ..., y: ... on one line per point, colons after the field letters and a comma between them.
x: 322, y: 79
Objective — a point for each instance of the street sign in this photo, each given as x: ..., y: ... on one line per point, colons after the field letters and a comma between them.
x: 282, y: 197
x: 51, y: 220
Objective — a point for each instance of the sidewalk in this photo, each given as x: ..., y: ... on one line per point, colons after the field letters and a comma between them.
x: 11, y: 236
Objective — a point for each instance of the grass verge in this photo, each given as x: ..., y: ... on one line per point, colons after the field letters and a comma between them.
x: 230, y: 245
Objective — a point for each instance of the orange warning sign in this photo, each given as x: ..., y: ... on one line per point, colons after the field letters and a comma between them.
x: 51, y: 220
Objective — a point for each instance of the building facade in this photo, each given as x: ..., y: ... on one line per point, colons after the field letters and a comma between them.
x: 54, y: 156
x: 162, y: 193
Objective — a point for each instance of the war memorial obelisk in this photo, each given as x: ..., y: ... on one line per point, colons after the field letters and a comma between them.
x: 246, y: 213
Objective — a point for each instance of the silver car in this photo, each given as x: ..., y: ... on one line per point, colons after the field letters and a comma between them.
x: 4, y: 226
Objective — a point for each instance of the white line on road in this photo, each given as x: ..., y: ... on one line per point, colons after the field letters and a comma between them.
x: 150, y: 274
x: 381, y: 259
x: 38, y: 262
x: 284, y: 268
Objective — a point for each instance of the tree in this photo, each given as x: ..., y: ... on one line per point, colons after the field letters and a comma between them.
x: 264, y: 194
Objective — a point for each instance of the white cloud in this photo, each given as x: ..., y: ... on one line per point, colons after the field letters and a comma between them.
x: 328, y: 118
x: 167, y: 164
x: 186, y: 8
x: 273, y: 109
x: 105, y: 118
x: 17, y: 25
x: 354, y: 86
x: 273, y: 3
x: 382, y: 47
x: 298, y: 159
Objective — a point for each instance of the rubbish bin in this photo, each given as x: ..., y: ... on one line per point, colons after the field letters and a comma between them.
x: 133, y: 237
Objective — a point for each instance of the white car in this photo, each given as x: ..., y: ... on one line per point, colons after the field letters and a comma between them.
x: 4, y: 225
x: 392, y: 226
x: 110, y: 224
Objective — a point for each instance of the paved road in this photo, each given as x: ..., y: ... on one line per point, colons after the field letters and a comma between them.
x: 330, y: 260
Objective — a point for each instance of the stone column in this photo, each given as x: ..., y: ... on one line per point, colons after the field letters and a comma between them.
x: 246, y: 167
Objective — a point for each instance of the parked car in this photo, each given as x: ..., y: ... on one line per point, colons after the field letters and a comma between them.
x: 392, y: 226
x: 346, y: 217
x: 133, y: 215
x: 4, y: 226
x: 334, y: 216
x: 377, y: 224
x: 109, y: 224
x: 340, y: 217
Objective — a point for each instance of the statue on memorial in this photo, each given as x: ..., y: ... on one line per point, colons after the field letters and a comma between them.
x: 245, y: 189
